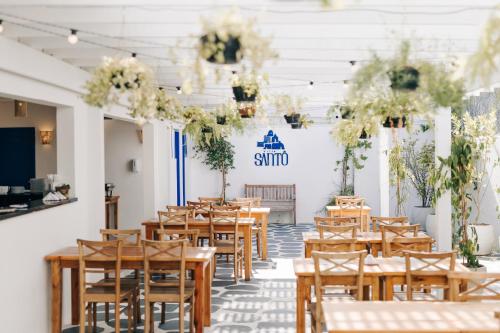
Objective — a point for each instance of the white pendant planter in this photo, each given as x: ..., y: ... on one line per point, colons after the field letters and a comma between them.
x: 485, y: 237
x: 419, y: 215
x: 431, y: 225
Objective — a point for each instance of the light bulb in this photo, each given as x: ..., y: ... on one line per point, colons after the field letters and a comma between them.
x: 134, y: 55
x: 311, y: 85
x: 1, y: 26
x: 73, y: 37
x: 354, y: 65
x: 179, y: 90
x: 346, y: 84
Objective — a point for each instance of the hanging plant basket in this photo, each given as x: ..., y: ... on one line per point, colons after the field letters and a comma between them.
x: 207, y: 130
x: 227, y: 54
x: 395, y: 122
x: 346, y: 112
x: 221, y: 120
x: 247, y: 110
x: 296, y: 125
x: 406, y: 78
x: 292, y: 118
x: 364, y: 135
x: 241, y: 96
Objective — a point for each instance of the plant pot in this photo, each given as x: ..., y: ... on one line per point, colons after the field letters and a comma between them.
x: 364, y: 135
x: 431, y: 225
x: 395, y: 122
x: 231, y: 48
x: 480, y: 269
x: 207, y: 130
x: 241, y: 96
x: 406, y: 78
x: 485, y: 237
x: 292, y: 118
x: 296, y: 125
x: 221, y: 120
x: 419, y: 215
x: 346, y: 112
x: 246, y: 111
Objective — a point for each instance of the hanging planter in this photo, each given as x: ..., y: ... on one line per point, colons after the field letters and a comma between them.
x: 296, y: 125
x: 395, y: 122
x: 292, y: 118
x: 221, y: 120
x: 364, y: 135
x: 406, y: 78
x: 206, y: 130
x: 247, y: 110
x: 219, y: 51
x: 240, y: 95
x: 346, y: 112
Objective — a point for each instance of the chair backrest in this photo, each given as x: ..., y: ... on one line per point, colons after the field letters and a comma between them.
x: 225, y: 208
x: 397, y: 245
x: 199, y: 207
x: 351, y: 207
x: 335, y: 245
x: 337, y: 232
x: 390, y: 221
x: 256, y: 201
x: 271, y: 192
x: 336, y: 221
x: 191, y: 235
x: 428, y: 270
x: 345, y: 197
x: 479, y: 287
x: 127, y: 236
x: 177, y: 209
x: 165, y: 257
x: 177, y: 217
x: 102, y: 258
x: 247, y: 205
x: 212, y: 200
x: 337, y: 271
x: 219, y: 217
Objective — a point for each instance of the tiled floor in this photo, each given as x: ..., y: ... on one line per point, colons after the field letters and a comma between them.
x: 264, y: 304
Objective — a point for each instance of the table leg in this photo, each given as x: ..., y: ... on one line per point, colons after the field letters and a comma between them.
x: 75, y: 296
x: 56, y: 284
x: 300, y: 309
x: 389, y: 289
x: 375, y: 288
x: 207, y: 319
x: 307, y: 250
x: 264, y: 221
x: 247, y: 233
x: 149, y: 232
x: 199, y: 300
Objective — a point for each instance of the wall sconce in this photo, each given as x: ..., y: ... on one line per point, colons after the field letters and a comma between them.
x: 46, y: 137
x: 20, y: 109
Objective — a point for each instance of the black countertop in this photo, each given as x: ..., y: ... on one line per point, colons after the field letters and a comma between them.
x: 35, y: 206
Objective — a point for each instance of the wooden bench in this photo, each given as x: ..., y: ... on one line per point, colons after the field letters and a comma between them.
x: 280, y: 198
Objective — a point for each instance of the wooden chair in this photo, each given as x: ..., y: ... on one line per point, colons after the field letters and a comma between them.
x: 345, y: 197
x: 479, y: 286
x: 247, y: 203
x: 336, y: 245
x: 129, y: 237
x: 103, y: 257
x: 336, y: 275
x: 335, y: 221
x: 198, y: 207
x: 214, y: 201
x: 190, y: 235
x: 256, y: 201
x: 390, y: 221
x: 180, y: 217
x: 427, y: 271
x: 337, y: 232
x: 232, y: 244
x: 396, y: 239
x: 166, y: 257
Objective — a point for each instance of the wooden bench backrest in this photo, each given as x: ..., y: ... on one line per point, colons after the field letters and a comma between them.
x: 271, y: 192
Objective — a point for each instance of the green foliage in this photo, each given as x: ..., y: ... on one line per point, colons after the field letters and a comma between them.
x: 217, y: 154
x: 398, y: 174
x: 420, y: 165
x: 350, y: 162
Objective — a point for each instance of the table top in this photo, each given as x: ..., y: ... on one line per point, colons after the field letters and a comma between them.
x: 384, y: 266
x: 363, y: 236
x: 191, y: 221
x: 257, y: 210
x: 328, y: 208
x: 135, y: 253
x: 411, y: 317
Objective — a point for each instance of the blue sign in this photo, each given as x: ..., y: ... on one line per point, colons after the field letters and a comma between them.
x: 273, y: 153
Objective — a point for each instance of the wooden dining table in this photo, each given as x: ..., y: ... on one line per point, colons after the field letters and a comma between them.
x: 244, y: 225
x: 381, y: 277
x: 333, y: 211
x: 368, y: 238
x: 201, y: 260
x: 405, y: 317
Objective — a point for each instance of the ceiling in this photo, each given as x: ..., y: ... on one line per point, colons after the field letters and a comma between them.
x: 314, y: 44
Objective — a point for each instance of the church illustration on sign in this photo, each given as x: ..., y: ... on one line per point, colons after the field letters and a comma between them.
x: 271, y: 141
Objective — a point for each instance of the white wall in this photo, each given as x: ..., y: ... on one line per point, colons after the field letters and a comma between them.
x: 42, y: 118
x: 121, y: 145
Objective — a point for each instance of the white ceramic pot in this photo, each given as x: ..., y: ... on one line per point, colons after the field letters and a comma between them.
x: 419, y: 215
x: 485, y: 237
x: 431, y: 225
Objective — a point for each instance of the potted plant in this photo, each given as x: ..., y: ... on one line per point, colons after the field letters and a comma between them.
x: 228, y: 118
x: 341, y: 110
x: 167, y: 107
x: 398, y: 175
x: 246, y: 92
x: 290, y: 107
x: 394, y: 91
x: 217, y: 154
x: 127, y: 77
x: 350, y: 162
x: 419, y: 164
x: 200, y: 125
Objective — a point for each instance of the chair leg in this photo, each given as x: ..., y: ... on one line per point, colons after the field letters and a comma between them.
x: 191, y: 316
x: 106, y: 312
x: 117, y: 317
x: 82, y: 317
x: 129, y: 314
x: 163, y: 310
x: 152, y: 318
x: 138, y: 306
x: 89, y: 317
x: 147, y: 316
x: 181, y: 317
x: 258, y: 245
x: 94, y: 315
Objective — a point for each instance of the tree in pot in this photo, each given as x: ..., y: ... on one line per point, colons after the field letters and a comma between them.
x: 398, y: 175
x: 218, y: 154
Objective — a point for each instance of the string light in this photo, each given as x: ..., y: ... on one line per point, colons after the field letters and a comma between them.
x: 179, y: 90
x: 134, y: 55
x: 346, y: 84
x: 311, y: 85
x: 354, y: 65
x: 73, y: 37
x: 1, y: 26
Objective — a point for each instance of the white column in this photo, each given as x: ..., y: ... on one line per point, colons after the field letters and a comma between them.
x: 442, y: 133
x: 383, y: 170
x: 150, y: 169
